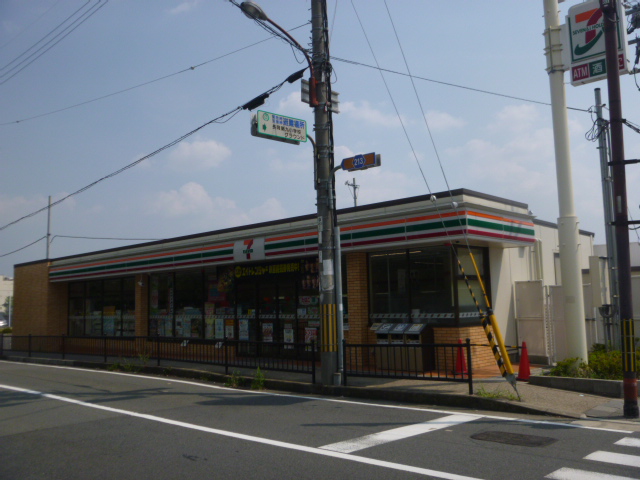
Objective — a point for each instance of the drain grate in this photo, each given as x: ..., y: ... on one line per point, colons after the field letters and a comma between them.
x: 514, y: 439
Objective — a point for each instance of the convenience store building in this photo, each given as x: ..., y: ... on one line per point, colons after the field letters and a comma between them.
x: 260, y: 282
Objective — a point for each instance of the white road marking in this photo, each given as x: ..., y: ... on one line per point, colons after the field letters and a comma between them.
x: 617, y: 458
x: 573, y: 474
x: 394, y: 434
x: 322, y: 399
x: 250, y: 438
x: 629, y: 442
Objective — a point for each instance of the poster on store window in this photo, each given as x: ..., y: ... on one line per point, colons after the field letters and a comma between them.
x: 243, y: 327
x: 267, y: 332
x: 310, y: 335
x: 228, y: 329
x: 219, y: 328
x: 288, y: 337
x: 208, y: 328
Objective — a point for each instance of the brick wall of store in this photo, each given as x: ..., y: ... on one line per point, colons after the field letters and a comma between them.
x: 358, y: 298
x: 40, y: 307
x: 482, y: 355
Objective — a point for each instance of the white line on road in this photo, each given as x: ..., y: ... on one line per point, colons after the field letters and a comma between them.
x: 355, y: 444
x: 573, y: 474
x: 250, y: 438
x: 321, y: 399
x: 629, y: 442
x: 617, y: 458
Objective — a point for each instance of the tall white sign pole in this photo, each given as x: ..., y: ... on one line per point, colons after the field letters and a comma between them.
x: 568, y: 229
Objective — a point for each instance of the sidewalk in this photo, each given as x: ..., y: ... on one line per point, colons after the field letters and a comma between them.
x: 491, y: 391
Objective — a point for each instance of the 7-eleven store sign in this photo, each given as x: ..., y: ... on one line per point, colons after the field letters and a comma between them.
x: 583, y: 49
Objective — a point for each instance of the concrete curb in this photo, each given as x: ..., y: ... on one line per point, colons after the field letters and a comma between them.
x: 365, y: 393
x: 593, y: 386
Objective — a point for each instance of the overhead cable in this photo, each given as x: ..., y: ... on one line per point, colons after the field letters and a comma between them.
x: 22, y: 248
x: 184, y: 70
x: 449, y: 84
x: 230, y: 114
x: 83, y: 18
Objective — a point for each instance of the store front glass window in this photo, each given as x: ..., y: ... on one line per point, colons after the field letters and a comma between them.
x: 102, y: 307
x: 389, y: 283
x: 76, y: 308
x: 430, y: 281
x: 93, y: 308
x: 469, y: 314
x: 189, y: 302
x: 161, y: 304
x: 421, y: 284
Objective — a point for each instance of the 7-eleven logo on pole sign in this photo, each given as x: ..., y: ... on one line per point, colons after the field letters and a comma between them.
x: 583, y: 44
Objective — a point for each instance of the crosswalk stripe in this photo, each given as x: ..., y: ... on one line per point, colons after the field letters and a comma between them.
x: 629, y: 442
x: 573, y: 474
x: 392, y: 435
x: 617, y: 458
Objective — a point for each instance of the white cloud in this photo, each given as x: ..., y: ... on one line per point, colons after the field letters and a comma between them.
x: 184, y: 7
x: 342, y: 151
x: 443, y: 121
x: 12, y: 208
x: 366, y: 113
x: 198, y: 155
x: 192, y: 201
x: 515, y: 118
x: 292, y: 105
x: 271, y: 209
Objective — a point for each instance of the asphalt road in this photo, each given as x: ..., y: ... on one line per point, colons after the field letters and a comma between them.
x: 66, y: 423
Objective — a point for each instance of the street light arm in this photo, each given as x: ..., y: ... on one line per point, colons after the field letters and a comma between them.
x: 255, y: 12
x: 313, y: 99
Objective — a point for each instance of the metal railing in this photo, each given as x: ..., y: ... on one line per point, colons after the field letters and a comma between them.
x: 423, y: 361
x: 436, y: 362
x: 286, y: 357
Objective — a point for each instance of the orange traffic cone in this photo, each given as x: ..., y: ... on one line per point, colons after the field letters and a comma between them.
x: 461, y: 363
x: 524, y: 371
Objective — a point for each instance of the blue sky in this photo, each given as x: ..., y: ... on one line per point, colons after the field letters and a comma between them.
x: 221, y: 176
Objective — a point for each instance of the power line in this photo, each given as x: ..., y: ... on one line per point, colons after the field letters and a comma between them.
x: 25, y: 29
x: 449, y: 84
x: 74, y: 25
x: 22, y: 248
x: 250, y: 105
x: 124, y: 90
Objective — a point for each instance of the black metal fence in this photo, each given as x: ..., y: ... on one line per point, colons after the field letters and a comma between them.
x: 436, y: 362
x: 288, y: 357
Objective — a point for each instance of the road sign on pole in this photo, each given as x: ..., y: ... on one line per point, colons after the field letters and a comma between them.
x: 361, y: 162
x: 281, y: 127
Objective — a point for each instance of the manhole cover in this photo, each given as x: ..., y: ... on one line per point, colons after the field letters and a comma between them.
x: 514, y: 439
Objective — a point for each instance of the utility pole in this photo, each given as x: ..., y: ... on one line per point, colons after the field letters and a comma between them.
x: 609, y: 232
x: 568, y: 226
x: 621, y: 221
x: 48, y: 227
x: 355, y: 187
x: 324, y: 157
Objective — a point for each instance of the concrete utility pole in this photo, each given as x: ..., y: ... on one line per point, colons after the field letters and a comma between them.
x: 48, y: 227
x: 324, y: 158
x: 603, y: 147
x: 355, y: 187
x: 568, y: 229
x: 621, y: 220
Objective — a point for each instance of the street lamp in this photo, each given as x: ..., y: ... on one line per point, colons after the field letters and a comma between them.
x: 319, y: 100
x: 255, y: 12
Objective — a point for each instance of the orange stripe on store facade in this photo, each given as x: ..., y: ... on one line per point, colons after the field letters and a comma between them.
x: 144, y: 257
